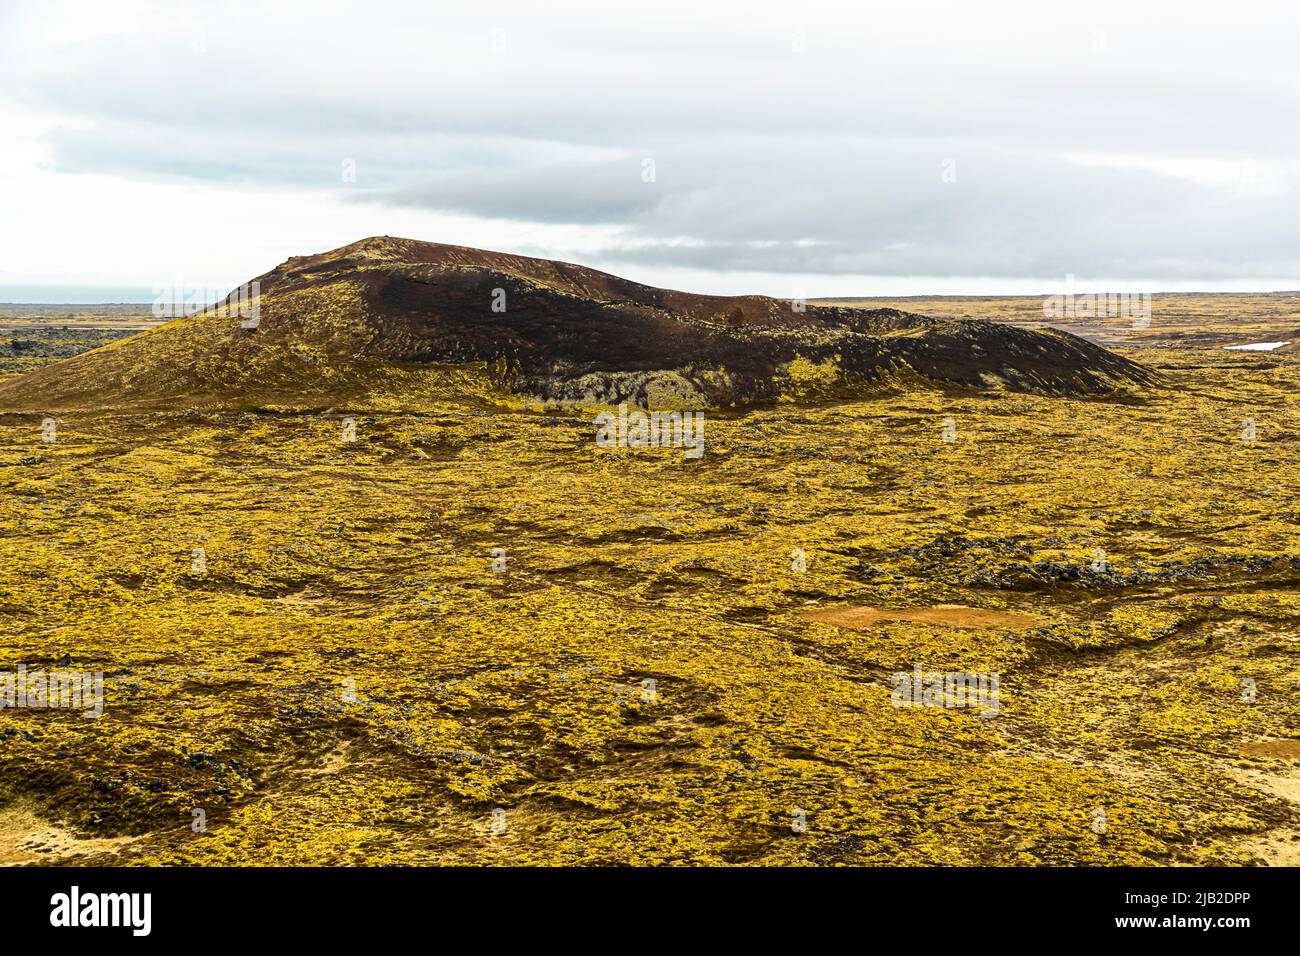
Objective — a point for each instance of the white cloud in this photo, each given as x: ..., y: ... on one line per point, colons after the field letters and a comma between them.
x: 794, y: 145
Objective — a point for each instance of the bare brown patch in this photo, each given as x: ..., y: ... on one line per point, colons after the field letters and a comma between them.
x: 1280, y: 846
x: 1278, y: 747
x: 333, y: 762
x: 26, y: 838
x: 302, y: 597
x: 945, y: 615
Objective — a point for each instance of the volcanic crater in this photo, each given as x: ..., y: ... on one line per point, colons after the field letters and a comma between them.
x: 380, y: 316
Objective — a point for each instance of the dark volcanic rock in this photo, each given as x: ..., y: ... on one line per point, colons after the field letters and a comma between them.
x: 328, y: 324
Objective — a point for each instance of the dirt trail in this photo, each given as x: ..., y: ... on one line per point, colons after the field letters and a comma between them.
x: 946, y: 615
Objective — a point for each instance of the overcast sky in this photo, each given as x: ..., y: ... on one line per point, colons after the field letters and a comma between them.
x: 792, y: 148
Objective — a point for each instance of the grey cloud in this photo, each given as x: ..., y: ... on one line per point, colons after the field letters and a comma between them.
x: 611, y: 191
x: 826, y: 161
x: 869, y: 207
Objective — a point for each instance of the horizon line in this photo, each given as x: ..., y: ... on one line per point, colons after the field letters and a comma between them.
x: 148, y: 304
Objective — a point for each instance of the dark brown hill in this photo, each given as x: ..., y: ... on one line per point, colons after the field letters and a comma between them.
x: 388, y: 319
